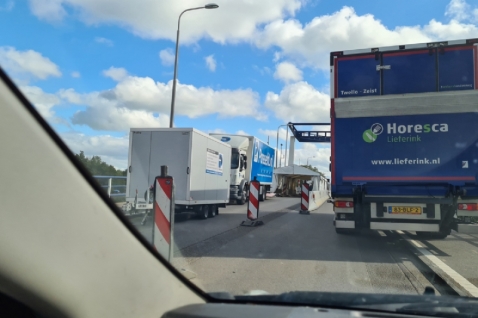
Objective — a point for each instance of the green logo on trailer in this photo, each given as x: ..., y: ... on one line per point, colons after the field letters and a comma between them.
x: 370, y: 135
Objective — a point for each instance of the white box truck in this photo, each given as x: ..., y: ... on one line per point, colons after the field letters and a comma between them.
x: 198, y: 163
x: 251, y: 158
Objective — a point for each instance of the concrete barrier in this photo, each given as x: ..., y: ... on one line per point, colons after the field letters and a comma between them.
x: 317, y: 198
x: 468, y: 228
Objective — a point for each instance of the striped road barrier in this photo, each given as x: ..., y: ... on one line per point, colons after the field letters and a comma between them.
x: 163, y: 215
x: 304, y: 199
x: 253, y: 205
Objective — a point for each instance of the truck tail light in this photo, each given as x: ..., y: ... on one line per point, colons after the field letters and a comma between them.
x: 343, y: 204
x: 468, y: 206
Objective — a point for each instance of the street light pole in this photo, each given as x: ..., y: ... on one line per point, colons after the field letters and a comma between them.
x: 173, y: 97
x: 277, y: 142
x: 286, y: 140
x: 280, y: 165
x: 309, y: 158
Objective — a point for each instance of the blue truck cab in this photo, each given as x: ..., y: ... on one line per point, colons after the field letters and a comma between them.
x: 251, y: 158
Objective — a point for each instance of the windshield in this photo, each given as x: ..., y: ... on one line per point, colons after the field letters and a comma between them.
x: 357, y: 120
x: 235, y: 160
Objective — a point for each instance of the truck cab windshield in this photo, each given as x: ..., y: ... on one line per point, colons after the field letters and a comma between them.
x: 235, y: 160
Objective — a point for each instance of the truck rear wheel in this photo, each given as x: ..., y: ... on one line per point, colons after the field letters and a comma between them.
x: 242, y: 200
x: 212, y: 211
x: 202, y: 211
x: 261, y: 195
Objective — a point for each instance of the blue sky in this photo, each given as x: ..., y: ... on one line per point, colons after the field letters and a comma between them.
x: 95, y: 68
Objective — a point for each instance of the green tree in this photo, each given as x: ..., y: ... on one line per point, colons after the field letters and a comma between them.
x: 97, y: 167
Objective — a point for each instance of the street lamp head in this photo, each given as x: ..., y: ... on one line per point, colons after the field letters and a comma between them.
x: 211, y: 6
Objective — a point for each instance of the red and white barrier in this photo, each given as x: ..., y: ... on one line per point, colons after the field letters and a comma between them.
x: 304, y: 202
x: 163, y: 216
x: 253, y: 205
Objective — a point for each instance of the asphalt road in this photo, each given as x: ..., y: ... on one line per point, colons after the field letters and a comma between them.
x: 454, y: 259
x: 191, y: 230
x: 303, y: 253
x: 294, y: 252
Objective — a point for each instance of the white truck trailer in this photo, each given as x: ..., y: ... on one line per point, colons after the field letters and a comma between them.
x: 251, y: 158
x: 198, y: 163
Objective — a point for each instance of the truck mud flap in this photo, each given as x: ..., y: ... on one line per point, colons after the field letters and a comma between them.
x: 380, y: 209
x: 430, y: 211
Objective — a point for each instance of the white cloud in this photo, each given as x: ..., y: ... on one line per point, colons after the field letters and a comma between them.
x: 70, y: 96
x: 233, y: 21
x: 49, y: 10
x: 242, y: 132
x: 341, y: 30
x: 113, y: 150
x: 266, y: 23
x: 167, y: 57
x: 43, y: 102
x: 452, y: 30
x: 210, y: 63
x: 321, y: 157
x: 273, y: 133
x: 345, y: 29
x: 75, y: 74
x: 137, y: 101
x: 458, y: 10
x: 104, y: 41
x: 112, y: 118
x: 27, y: 64
x: 287, y: 72
x: 299, y: 102
x: 116, y: 73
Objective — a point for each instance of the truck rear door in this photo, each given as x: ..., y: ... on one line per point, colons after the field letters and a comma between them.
x: 409, y: 72
x: 423, y: 70
x: 139, y: 163
x: 172, y: 149
x: 357, y: 76
x: 457, y: 68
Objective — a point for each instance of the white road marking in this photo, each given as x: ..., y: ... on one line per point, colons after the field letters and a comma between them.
x: 460, y: 280
x: 381, y: 233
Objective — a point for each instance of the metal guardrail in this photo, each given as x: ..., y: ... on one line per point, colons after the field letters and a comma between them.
x: 113, y: 190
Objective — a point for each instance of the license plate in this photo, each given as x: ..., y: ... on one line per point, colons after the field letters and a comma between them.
x: 404, y: 210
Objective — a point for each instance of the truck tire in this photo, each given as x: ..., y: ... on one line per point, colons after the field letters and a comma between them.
x: 202, y: 211
x: 261, y: 197
x: 242, y: 200
x: 212, y: 211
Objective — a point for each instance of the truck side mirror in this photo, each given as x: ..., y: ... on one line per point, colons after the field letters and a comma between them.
x: 245, y: 163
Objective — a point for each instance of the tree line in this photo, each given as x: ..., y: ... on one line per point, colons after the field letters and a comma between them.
x: 97, y: 167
